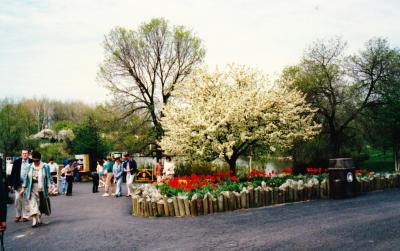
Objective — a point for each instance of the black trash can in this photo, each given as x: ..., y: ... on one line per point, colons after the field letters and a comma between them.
x: 342, y: 179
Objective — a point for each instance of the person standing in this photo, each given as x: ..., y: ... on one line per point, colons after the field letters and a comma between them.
x: 118, y: 171
x: 169, y: 168
x: 53, y: 170
x: 3, y: 204
x: 63, y: 180
x: 19, y: 169
x: 37, y: 180
x: 100, y: 171
x: 108, y: 166
x: 130, y: 168
x: 158, y: 170
x: 95, y: 180
x: 69, y: 175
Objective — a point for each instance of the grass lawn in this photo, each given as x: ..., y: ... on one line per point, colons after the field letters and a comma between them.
x: 378, y: 161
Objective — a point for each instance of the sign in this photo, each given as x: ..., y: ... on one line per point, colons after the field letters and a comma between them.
x: 349, y: 177
x: 144, y: 175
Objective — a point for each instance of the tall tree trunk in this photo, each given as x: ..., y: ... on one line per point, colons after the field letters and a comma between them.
x: 335, y: 144
x: 232, y: 163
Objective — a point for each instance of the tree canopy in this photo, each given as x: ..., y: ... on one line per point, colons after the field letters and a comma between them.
x: 143, y: 66
x: 221, y: 114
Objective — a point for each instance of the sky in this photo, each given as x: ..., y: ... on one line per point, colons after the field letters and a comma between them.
x: 53, y: 49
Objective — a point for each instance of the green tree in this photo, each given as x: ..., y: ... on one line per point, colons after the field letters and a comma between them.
x: 341, y: 87
x: 88, y: 141
x: 143, y: 66
x: 382, y: 123
x: 16, y: 125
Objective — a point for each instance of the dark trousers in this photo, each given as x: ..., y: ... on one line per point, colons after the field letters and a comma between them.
x: 70, y: 179
x: 95, y: 178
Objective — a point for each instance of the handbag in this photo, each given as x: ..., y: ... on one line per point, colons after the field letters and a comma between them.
x: 44, y: 204
x: 11, y: 197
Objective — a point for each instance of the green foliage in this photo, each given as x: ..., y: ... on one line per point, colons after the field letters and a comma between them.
x: 54, y: 151
x: 64, y: 124
x: 88, y: 141
x: 16, y: 125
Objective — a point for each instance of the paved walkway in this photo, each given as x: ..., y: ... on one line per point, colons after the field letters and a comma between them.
x: 88, y: 221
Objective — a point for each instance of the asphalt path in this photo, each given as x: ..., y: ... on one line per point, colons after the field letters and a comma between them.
x: 88, y: 221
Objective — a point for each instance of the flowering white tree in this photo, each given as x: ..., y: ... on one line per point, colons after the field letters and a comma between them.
x: 221, y: 114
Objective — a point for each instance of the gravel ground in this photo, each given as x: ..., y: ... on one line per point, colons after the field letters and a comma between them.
x: 89, y: 221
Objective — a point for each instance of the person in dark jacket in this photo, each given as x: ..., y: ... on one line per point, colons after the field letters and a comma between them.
x: 130, y: 168
x: 15, y: 180
x: 3, y: 204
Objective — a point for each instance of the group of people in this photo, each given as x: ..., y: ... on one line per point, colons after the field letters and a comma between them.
x: 30, y: 179
x: 110, y: 174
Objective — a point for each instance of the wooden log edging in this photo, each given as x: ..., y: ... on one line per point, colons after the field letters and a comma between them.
x: 250, y: 197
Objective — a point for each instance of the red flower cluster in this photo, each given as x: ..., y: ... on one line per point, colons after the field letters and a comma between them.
x: 257, y: 173
x: 187, y: 183
x: 316, y: 170
x: 361, y: 171
x: 287, y: 170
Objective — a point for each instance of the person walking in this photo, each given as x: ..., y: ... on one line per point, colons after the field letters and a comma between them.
x: 15, y: 180
x: 118, y: 171
x: 130, y: 168
x: 69, y: 175
x: 36, y: 185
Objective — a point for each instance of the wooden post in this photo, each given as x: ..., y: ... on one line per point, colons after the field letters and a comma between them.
x: 220, y: 203
x: 193, y: 205
x: 215, y: 204
x: 181, y: 205
x: 243, y: 199
x: 238, y: 201
x: 171, y: 208
x: 205, y: 205
x: 160, y: 208
x: 200, y: 206
x: 251, y: 196
x: 166, y: 209
x: 134, y: 205
x: 176, y: 207
x: 187, y: 206
x: 257, y: 196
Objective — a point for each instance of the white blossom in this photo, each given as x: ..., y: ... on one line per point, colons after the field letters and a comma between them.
x: 220, y: 114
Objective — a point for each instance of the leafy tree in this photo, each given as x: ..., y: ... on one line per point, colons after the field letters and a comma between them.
x: 340, y: 87
x: 88, y: 141
x: 382, y: 123
x: 143, y: 66
x: 222, y: 114
x: 16, y: 125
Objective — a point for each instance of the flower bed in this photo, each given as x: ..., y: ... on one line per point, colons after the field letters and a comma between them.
x: 205, y: 194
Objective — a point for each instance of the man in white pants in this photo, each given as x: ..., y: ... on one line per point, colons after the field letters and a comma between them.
x: 130, y: 168
x: 19, y: 169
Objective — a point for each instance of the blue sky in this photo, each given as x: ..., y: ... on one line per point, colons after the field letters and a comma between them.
x: 53, y: 48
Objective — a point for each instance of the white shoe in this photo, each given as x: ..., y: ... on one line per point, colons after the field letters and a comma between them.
x: 105, y: 195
